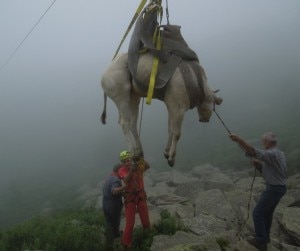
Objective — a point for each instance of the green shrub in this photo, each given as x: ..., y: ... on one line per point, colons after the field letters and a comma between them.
x: 167, y: 225
x: 223, y: 243
x: 78, y: 231
x: 65, y: 231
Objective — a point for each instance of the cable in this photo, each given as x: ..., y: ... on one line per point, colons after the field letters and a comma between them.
x: 28, y: 34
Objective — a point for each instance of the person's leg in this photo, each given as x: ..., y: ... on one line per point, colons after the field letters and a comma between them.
x: 258, y: 214
x: 277, y: 193
x: 130, y: 210
x: 116, y: 219
x: 108, y: 229
x: 144, y: 214
x: 262, y: 213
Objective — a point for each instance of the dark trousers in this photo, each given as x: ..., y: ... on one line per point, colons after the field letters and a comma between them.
x: 112, y: 213
x: 264, y: 209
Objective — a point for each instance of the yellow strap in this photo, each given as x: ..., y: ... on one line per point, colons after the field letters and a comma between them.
x: 153, y: 72
x: 135, y: 16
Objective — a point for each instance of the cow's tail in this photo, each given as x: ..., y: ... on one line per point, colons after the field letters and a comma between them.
x: 103, y: 115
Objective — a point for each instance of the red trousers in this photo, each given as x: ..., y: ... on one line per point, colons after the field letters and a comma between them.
x: 131, y: 209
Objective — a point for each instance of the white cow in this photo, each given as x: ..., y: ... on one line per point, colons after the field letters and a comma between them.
x: 119, y: 85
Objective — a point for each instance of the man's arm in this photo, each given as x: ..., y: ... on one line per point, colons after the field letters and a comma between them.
x: 118, y: 190
x: 247, y: 147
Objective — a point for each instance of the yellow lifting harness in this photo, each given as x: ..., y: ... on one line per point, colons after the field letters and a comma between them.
x: 135, y: 16
x: 156, y: 41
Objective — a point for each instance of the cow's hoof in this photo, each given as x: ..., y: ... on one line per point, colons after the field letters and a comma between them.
x: 171, y: 162
x: 204, y: 120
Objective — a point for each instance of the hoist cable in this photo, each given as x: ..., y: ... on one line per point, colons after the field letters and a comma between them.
x: 28, y: 34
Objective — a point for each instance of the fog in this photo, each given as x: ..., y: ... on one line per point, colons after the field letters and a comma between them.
x: 51, y: 99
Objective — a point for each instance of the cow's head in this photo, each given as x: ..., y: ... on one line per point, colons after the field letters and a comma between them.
x: 206, y: 108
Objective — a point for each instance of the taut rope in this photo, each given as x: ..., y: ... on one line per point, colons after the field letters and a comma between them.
x: 251, y: 188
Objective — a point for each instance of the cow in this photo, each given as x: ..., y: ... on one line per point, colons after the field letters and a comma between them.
x: 179, y: 96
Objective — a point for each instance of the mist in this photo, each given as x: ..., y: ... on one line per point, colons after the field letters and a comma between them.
x: 51, y: 98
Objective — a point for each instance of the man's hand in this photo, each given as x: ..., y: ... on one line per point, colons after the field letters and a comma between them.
x: 234, y: 137
x: 257, y: 164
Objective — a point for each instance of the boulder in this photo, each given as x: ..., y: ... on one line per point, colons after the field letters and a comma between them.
x: 205, y: 224
x: 184, y: 241
x: 290, y: 222
x: 189, y: 190
x: 214, y: 202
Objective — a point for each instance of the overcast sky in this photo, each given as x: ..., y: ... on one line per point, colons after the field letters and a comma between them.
x: 50, y: 96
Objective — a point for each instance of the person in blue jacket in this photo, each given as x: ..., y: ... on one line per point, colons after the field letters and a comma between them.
x: 112, y: 204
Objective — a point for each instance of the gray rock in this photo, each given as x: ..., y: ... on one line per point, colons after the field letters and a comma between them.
x: 205, y: 224
x: 168, y: 199
x: 182, y: 241
x: 178, y: 178
x: 181, y: 211
x: 214, y: 202
x: 189, y: 190
x: 204, y: 170
x: 290, y: 222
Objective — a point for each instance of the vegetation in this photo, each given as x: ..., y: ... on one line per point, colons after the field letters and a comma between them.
x: 223, y: 243
x: 65, y: 231
x: 77, y: 231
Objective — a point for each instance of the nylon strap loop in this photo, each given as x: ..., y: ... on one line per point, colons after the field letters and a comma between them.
x: 153, y: 72
x: 157, y: 39
x: 135, y: 16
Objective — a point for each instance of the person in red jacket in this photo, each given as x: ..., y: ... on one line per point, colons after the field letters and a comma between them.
x: 134, y: 195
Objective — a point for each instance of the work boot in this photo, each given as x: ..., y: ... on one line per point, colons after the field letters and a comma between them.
x: 253, y: 241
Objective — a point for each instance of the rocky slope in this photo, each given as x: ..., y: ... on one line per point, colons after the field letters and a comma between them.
x: 213, y: 204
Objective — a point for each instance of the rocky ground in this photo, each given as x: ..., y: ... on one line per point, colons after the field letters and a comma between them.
x: 213, y: 204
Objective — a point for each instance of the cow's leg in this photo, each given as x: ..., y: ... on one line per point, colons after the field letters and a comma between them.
x: 116, y: 82
x: 134, y: 108
x: 167, y: 148
x: 128, y: 112
x: 175, y: 123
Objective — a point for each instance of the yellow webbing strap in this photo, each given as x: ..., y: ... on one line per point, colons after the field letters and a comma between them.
x: 154, y: 66
x: 135, y: 16
x: 153, y: 74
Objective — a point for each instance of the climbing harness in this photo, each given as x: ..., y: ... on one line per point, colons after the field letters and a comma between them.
x: 136, y: 195
x: 252, y: 183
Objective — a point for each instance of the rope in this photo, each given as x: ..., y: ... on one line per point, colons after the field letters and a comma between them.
x: 28, y: 34
x: 141, y: 118
x: 251, y: 188
x: 248, y: 207
x: 221, y: 119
